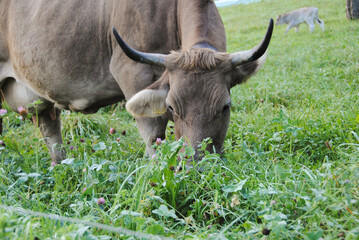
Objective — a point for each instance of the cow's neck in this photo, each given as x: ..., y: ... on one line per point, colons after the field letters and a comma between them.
x: 200, y: 25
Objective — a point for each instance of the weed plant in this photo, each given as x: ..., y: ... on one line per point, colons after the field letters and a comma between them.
x: 290, y: 168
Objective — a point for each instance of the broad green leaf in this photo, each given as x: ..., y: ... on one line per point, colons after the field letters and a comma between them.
x: 23, y: 177
x: 68, y: 161
x: 234, y: 187
x: 319, y: 194
x: 165, y: 212
x: 99, y: 146
x: 81, y: 231
x: 130, y: 213
x: 155, y: 229
x: 34, y: 175
x: 315, y: 235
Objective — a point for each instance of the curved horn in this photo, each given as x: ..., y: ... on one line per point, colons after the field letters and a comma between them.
x: 137, y: 56
x: 256, y: 52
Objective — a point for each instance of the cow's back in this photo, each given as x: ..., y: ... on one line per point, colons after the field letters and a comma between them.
x: 301, y: 13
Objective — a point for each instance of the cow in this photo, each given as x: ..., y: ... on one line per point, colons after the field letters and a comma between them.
x: 170, y: 64
x: 308, y: 15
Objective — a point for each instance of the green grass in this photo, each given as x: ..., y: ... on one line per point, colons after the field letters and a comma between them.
x: 290, y: 163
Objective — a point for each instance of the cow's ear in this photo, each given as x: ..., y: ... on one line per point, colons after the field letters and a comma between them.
x: 242, y: 72
x: 150, y: 102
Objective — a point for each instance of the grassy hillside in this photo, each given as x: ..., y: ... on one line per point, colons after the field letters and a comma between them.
x: 290, y: 169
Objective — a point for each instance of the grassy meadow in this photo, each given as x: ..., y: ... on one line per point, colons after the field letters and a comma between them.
x: 290, y: 168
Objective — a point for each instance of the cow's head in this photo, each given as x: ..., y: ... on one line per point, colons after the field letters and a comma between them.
x: 194, y: 91
x: 280, y: 20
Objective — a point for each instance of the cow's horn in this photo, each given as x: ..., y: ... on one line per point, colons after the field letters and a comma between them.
x: 256, y: 52
x: 148, y: 58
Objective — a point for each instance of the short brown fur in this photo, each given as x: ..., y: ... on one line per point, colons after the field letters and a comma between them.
x: 196, y: 59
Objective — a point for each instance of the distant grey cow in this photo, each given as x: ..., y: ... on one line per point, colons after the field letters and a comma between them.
x: 67, y: 54
x: 308, y: 15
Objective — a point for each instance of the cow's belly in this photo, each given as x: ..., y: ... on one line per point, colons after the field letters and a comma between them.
x: 85, y: 99
x: 85, y: 93
x: 69, y: 88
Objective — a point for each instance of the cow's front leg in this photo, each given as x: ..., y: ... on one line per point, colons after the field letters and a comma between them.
x: 49, y: 123
x: 132, y: 78
x: 151, y: 129
x: 288, y: 28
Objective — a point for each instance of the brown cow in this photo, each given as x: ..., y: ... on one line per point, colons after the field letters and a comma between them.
x: 64, y: 53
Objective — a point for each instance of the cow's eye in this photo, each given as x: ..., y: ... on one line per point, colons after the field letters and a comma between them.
x: 226, y: 108
x: 170, y: 109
